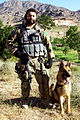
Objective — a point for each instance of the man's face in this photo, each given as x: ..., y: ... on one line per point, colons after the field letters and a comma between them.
x: 31, y: 18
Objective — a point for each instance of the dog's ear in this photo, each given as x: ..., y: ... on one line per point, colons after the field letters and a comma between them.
x: 61, y: 64
x: 68, y: 64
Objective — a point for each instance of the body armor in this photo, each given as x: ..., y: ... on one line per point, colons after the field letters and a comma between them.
x: 32, y: 44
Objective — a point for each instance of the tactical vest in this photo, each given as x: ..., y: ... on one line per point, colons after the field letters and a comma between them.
x: 32, y: 44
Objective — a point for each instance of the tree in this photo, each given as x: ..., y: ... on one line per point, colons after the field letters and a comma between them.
x: 45, y: 22
x: 73, y: 39
x: 61, y: 42
x: 4, y: 33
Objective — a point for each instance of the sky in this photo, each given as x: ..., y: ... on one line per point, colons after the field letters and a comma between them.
x: 73, y: 5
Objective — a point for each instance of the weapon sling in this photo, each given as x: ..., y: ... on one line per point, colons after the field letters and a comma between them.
x: 41, y: 68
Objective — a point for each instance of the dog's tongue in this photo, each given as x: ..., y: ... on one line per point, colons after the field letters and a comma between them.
x: 67, y: 79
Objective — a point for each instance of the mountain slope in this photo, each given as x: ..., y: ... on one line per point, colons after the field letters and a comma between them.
x: 14, y: 10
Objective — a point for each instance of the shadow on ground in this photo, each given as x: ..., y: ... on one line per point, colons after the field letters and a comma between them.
x: 31, y: 101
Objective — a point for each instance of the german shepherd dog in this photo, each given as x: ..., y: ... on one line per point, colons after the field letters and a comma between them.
x: 62, y: 89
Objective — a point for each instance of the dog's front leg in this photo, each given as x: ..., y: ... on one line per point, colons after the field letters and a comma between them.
x: 68, y: 103
x: 61, y: 105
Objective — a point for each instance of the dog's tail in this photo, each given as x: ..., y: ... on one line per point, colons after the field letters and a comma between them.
x: 51, y: 89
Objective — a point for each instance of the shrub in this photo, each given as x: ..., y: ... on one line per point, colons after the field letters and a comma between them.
x: 4, y: 33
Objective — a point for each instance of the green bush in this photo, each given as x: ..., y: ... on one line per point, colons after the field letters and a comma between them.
x: 70, y: 56
x: 75, y: 68
x: 57, y: 40
x: 73, y: 39
x: 58, y: 48
x: 4, y: 33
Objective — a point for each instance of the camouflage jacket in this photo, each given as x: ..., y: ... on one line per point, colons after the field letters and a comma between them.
x: 14, y: 38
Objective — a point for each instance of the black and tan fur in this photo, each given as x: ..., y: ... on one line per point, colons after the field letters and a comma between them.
x: 62, y: 89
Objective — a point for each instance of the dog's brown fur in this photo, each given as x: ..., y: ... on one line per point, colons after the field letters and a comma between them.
x: 62, y: 89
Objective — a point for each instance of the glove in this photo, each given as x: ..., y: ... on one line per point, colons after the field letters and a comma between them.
x: 48, y: 64
x: 24, y: 59
x: 17, y: 53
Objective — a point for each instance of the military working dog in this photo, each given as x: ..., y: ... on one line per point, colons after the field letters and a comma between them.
x: 62, y: 89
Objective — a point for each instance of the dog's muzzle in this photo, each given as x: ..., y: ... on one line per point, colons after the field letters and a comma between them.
x: 66, y: 77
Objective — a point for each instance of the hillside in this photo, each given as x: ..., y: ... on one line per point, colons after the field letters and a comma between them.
x: 14, y: 10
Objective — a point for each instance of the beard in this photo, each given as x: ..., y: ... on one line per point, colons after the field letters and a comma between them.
x: 29, y: 22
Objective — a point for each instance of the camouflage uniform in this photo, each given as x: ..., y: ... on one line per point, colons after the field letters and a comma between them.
x: 30, y: 65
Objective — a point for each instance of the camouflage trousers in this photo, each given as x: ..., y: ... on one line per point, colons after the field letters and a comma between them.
x: 42, y: 78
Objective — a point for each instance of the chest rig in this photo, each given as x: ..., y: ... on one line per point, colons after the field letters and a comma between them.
x: 32, y: 44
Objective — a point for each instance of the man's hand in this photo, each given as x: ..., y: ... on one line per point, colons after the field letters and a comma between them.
x: 17, y: 53
x: 48, y: 64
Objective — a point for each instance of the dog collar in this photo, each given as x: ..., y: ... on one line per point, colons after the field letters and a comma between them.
x: 64, y: 83
x: 58, y: 85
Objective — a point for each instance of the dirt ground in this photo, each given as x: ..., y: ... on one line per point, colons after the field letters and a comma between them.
x: 11, y: 102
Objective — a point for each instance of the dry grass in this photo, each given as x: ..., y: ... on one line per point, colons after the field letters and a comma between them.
x: 11, y: 102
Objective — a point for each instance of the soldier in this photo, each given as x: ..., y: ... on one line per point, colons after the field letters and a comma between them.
x: 32, y: 47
